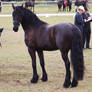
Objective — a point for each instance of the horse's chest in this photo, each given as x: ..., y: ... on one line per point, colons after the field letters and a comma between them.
x: 30, y: 39
x: 46, y: 39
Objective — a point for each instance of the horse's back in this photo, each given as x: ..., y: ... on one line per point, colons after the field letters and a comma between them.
x: 64, y: 35
x: 63, y: 28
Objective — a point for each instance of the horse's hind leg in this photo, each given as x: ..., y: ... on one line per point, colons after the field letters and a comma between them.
x: 41, y: 57
x: 74, y: 81
x: 67, y: 66
x: 33, y: 56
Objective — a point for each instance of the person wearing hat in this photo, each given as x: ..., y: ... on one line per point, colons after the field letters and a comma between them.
x: 86, y: 28
x: 78, y: 21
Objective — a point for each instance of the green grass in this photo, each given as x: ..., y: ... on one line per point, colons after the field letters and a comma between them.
x: 15, y: 63
x: 43, y: 9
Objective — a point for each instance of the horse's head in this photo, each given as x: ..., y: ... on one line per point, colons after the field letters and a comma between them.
x: 17, y: 17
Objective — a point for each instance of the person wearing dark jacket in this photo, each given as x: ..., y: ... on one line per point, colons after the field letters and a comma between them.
x: 86, y: 29
x: 79, y: 22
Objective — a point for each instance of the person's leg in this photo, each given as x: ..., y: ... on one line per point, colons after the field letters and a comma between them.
x: 88, y: 39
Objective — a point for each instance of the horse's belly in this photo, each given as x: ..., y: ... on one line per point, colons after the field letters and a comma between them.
x: 47, y: 48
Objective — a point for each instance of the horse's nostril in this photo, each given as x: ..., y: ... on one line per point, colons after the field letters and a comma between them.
x: 15, y: 29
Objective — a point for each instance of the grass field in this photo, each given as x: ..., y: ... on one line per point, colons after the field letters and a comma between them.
x: 15, y: 63
x: 43, y: 9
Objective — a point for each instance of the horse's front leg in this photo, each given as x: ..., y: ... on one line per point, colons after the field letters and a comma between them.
x: 41, y: 57
x: 68, y: 73
x: 33, y: 56
x: 74, y: 81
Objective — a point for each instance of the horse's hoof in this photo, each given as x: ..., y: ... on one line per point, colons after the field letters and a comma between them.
x: 66, y: 84
x: 74, y: 84
x: 35, y: 79
x: 44, y: 78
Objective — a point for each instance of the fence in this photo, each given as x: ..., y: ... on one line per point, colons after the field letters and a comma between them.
x: 45, y: 15
x: 8, y: 4
x: 4, y: 3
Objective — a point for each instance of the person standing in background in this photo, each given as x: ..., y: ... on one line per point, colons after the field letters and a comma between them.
x: 78, y: 21
x: 76, y: 5
x: 87, y: 4
x: 86, y: 28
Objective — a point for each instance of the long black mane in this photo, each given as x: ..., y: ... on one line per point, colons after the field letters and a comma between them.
x: 29, y: 18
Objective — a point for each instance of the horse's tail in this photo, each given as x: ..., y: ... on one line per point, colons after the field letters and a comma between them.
x: 77, y: 54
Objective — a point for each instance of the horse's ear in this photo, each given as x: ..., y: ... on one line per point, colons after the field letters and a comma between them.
x: 13, y: 6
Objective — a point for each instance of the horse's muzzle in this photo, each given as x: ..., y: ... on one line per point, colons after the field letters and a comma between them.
x: 15, y: 29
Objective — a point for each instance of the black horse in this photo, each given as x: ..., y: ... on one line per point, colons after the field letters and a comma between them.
x: 40, y: 36
x: 30, y: 4
x: 65, y: 7
x: 60, y: 4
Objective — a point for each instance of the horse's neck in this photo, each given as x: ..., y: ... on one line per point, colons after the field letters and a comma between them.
x: 29, y: 26
x: 26, y: 26
x: 26, y: 22
x: 31, y: 20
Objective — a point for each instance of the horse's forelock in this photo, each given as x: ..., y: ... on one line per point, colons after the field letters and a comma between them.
x: 18, y: 11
